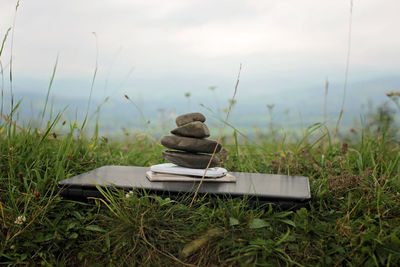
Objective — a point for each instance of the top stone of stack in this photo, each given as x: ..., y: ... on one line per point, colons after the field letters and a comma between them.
x: 189, y: 117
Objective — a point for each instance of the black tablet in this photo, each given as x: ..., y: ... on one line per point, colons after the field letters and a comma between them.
x: 289, y: 190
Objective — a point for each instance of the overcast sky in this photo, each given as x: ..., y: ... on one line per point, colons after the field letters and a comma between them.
x: 282, y: 44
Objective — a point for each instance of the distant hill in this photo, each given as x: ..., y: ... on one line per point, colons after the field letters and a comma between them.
x: 292, y: 107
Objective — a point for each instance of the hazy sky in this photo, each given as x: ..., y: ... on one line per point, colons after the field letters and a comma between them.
x: 180, y: 43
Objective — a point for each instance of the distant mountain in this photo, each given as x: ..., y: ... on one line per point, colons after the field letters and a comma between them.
x: 291, y: 107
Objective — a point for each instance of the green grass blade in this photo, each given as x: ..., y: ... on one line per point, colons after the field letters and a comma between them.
x: 49, y: 89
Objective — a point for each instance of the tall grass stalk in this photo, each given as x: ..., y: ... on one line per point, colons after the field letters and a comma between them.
x: 92, y: 85
x: 346, y: 73
x: 11, y: 58
x: 231, y: 103
x: 4, y: 41
x: 145, y: 123
x: 48, y: 91
x: 224, y: 121
x: 97, y: 114
x: 2, y: 72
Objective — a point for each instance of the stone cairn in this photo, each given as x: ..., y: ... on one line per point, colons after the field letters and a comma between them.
x: 192, y: 149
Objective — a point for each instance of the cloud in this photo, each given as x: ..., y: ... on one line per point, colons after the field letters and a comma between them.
x: 278, y: 41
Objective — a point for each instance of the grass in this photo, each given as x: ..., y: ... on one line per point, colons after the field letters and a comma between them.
x: 353, y: 219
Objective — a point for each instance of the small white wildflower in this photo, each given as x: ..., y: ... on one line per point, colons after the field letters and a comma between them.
x: 20, y: 219
x: 129, y: 194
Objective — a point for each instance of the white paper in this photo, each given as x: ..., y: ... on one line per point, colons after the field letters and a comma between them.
x: 174, y: 169
x: 165, y: 177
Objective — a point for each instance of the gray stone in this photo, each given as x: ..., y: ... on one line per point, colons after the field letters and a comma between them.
x: 190, y: 160
x: 195, y: 129
x: 189, y: 117
x: 190, y: 144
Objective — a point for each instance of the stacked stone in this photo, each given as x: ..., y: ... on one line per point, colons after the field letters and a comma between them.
x: 192, y: 149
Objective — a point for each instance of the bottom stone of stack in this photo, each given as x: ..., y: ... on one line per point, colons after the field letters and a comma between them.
x: 190, y: 160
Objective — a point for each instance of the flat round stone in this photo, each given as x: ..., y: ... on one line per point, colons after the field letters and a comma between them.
x: 189, y: 117
x: 190, y: 160
x: 190, y: 144
x: 195, y: 129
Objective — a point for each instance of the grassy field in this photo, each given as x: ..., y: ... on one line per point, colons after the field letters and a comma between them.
x: 353, y: 219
